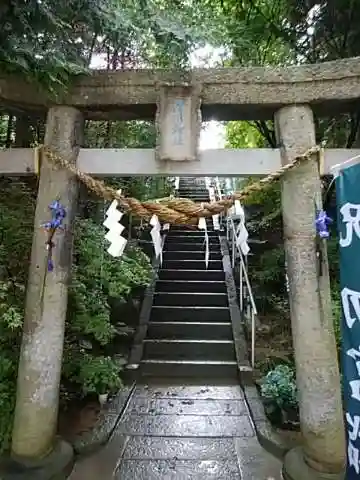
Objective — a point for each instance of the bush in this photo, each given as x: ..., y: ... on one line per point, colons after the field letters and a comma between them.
x: 89, y: 332
x: 16, y: 225
x: 98, y: 375
x: 88, y: 366
x: 279, y: 393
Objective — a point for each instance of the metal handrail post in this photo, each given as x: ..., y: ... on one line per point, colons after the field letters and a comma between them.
x: 252, y: 339
x: 241, y: 289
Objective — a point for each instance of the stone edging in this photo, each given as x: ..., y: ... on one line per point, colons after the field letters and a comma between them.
x: 89, y: 442
x: 235, y: 315
x: 268, y: 437
x: 138, y: 345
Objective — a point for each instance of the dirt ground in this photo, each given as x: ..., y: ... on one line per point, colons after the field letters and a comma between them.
x: 79, y: 417
x: 273, y: 343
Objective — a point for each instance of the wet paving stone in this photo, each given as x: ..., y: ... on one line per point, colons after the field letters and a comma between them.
x: 255, y: 462
x: 186, y: 425
x: 172, y: 432
x: 158, y: 448
x: 232, y: 392
x: 178, y: 470
x: 174, y: 406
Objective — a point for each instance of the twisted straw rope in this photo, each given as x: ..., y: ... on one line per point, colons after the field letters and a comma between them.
x: 179, y: 211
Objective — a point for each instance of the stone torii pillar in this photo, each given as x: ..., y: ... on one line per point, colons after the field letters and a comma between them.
x: 321, y: 416
x: 36, y: 412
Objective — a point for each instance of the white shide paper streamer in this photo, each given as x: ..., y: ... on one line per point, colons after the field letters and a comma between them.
x: 156, y: 237
x: 202, y: 226
x: 115, y: 229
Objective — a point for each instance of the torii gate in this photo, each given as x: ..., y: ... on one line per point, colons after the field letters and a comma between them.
x: 177, y: 100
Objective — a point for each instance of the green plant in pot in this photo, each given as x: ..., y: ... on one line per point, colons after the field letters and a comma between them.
x: 279, y: 394
x: 99, y: 375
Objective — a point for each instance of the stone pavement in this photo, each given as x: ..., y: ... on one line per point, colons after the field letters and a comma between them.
x: 174, y: 432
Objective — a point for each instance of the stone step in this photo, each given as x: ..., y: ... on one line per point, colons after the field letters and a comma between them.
x: 190, y: 193
x: 190, y: 286
x: 196, y: 180
x: 189, y: 349
x: 199, y: 201
x: 190, y: 190
x: 197, y: 198
x: 198, y: 275
x: 192, y: 265
x: 190, y: 255
x: 189, y: 368
x: 193, y: 191
x: 190, y: 330
x: 189, y: 314
x: 193, y: 237
x: 180, y: 229
x: 190, y: 247
x: 187, y: 299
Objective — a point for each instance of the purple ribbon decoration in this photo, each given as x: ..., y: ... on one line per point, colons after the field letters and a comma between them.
x: 322, y: 223
x: 58, y: 213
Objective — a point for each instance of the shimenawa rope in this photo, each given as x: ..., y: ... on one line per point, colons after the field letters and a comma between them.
x: 175, y: 210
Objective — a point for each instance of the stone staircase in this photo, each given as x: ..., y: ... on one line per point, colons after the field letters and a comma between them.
x: 190, y: 330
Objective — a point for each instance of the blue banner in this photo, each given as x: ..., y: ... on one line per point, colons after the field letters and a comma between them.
x: 348, y: 209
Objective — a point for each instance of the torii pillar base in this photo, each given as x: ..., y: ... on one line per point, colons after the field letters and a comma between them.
x: 57, y: 465
x: 295, y: 467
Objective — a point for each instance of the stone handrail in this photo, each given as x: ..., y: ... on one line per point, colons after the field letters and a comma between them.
x: 226, y: 93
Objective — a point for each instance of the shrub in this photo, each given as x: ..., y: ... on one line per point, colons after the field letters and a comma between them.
x: 98, y: 374
x: 87, y: 366
x: 89, y: 332
x: 279, y: 392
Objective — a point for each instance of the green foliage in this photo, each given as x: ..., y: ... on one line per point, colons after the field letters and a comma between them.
x: 269, y: 198
x: 96, y: 278
x: 278, y: 388
x: 334, y: 258
x: 48, y: 28
x: 257, y: 32
x: 7, y: 396
x: 16, y: 226
x: 125, y: 34
x: 292, y: 32
x: 11, y: 315
x: 269, y: 274
x: 98, y: 374
x: 337, y: 312
x: 131, y: 134
x: 252, y: 135
x: 243, y: 135
x: 88, y: 366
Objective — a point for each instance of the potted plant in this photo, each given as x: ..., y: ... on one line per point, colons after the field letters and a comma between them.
x: 279, y: 394
x: 99, y: 375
